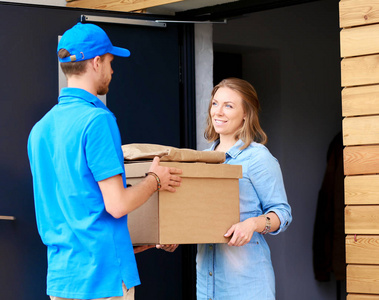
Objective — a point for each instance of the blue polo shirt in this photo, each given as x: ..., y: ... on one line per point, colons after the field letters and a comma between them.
x: 75, y: 145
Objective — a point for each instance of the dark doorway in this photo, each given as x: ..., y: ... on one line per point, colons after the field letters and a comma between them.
x: 150, y: 98
x: 226, y: 65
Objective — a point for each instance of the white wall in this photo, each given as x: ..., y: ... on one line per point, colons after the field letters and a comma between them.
x: 204, y: 78
x: 291, y: 55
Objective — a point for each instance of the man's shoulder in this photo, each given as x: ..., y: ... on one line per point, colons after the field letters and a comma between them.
x: 43, y: 121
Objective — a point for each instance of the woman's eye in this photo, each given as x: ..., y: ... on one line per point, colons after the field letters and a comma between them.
x: 214, y: 103
x: 228, y: 106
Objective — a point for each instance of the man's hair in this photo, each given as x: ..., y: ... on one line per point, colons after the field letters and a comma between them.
x: 72, y: 67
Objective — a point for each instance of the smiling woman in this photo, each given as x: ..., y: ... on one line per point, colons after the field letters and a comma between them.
x: 239, y: 98
x: 242, y: 269
x: 227, y: 115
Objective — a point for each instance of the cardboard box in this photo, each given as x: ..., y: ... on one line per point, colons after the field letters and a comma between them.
x: 201, y: 210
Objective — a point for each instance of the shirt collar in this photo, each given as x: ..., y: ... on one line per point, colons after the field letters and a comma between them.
x: 232, y: 152
x: 82, y: 94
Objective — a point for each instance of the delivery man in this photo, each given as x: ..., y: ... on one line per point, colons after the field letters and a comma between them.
x: 80, y: 193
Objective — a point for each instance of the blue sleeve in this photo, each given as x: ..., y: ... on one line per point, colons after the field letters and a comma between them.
x: 266, y: 176
x: 103, y: 147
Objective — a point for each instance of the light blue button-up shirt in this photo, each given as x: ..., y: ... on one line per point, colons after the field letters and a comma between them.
x: 246, y: 273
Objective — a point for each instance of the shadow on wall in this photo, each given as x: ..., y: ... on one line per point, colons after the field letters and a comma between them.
x: 329, y: 232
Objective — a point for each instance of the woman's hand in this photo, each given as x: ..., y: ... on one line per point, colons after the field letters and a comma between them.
x: 242, y: 232
x: 168, y: 248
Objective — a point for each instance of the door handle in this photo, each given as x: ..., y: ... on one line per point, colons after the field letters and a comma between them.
x: 7, y: 218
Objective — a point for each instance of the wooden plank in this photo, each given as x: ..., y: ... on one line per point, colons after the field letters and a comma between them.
x: 360, y: 70
x: 362, y: 249
x: 358, y: 12
x: 361, y: 160
x: 361, y: 40
x: 362, y: 219
x: 118, y: 5
x: 362, y: 297
x: 363, y: 189
x: 361, y: 100
x: 362, y: 279
x: 360, y: 130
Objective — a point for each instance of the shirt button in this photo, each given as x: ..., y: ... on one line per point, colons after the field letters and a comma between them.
x: 210, y: 247
x: 210, y: 273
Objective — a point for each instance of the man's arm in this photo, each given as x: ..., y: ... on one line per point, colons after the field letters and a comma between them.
x: 120, y: 201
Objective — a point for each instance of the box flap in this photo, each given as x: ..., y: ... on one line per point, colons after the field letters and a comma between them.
x: 202, y: 170
x: 193, y: 170
x: 136, y: 169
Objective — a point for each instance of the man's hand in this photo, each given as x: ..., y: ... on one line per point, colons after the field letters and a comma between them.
x: 168, y: 178
x: 138, y: 249
x: 168, y: 248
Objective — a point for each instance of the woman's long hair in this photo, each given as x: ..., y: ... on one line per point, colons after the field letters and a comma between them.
x: 251, y: 130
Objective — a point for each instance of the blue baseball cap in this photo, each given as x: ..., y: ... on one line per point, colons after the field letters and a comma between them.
x: 86, y: 41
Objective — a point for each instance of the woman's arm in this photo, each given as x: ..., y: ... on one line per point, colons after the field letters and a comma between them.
x: 242, y: 232
x: 264, y: 173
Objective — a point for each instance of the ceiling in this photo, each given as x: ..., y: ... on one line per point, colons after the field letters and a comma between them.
x: 201, y: 10
x: 184, y: 5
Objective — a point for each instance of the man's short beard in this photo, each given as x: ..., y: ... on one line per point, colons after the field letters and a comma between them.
x: 103, y: 90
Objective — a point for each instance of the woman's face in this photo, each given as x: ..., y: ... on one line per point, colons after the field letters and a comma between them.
x: 227, y: 112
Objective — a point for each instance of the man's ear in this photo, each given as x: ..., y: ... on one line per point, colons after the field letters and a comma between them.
x: 96, y: 62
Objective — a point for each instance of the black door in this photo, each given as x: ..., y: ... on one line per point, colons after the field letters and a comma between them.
x: 151, y: 95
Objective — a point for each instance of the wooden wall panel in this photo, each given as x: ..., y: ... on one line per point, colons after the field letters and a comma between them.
x: 362, y: 297
x: 358, y: 12
x: 360, y: 109
x: 360, y: 70
x: 361, y: 130
x: 360, y: 40
x: 362, y: 249
x: 117, y: 5
x: 362, y: 219
x: 362, y: 189
x: 361, y: 100
x: 362, y: 279
x: 361, y: 160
